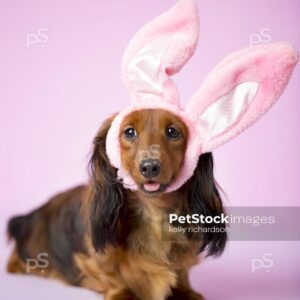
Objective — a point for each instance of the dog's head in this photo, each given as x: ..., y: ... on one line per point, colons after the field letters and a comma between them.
x: 153, y: 145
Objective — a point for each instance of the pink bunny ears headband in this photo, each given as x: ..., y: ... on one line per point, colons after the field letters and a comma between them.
x: 236, y: 93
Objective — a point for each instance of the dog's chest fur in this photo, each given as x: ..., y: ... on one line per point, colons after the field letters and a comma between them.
x: 149, y: 254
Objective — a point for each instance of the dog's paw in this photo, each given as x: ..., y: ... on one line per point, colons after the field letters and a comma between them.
x: 185, y: 295
x: 122, y: 295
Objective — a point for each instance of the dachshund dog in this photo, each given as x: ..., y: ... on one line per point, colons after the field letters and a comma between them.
x: 113, y: 240
x: 152, y: 160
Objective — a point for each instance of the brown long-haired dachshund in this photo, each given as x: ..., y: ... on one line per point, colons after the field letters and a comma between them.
x: 118, y: 240
x: 113, y: 240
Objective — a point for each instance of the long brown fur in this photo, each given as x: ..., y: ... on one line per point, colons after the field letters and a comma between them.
x: 115, y: 241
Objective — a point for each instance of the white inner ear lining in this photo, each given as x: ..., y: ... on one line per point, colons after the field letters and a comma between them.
x: 144, y: 69
x: 226, y: 110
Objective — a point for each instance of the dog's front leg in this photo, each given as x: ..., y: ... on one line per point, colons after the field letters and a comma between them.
x: 183, y: 289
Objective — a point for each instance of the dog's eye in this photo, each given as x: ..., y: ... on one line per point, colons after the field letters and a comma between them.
x: 130, y: 133
x: 173, y: 133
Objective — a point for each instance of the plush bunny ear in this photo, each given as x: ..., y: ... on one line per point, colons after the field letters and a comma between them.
x: 160, y: 49
x: 239, y: 91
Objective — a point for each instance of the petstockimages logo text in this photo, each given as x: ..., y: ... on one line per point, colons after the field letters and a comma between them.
x: 196, y: 219
x: 241, y: 223
x: 222, y: 219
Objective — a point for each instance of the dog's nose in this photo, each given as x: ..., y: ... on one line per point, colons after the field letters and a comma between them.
x: 150, y: 168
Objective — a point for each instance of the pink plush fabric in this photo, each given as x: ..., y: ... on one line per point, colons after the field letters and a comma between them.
x: 269, y: 65
x: 235, y: 95
x: 160, y: 49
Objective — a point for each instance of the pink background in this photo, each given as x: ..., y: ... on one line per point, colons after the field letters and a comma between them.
x: 54, y: 96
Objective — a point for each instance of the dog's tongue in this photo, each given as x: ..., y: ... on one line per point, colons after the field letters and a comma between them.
x: 151, y: 187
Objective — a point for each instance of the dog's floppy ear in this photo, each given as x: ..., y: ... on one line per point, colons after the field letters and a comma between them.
x: 106, y: 200
x: 204, y: 199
